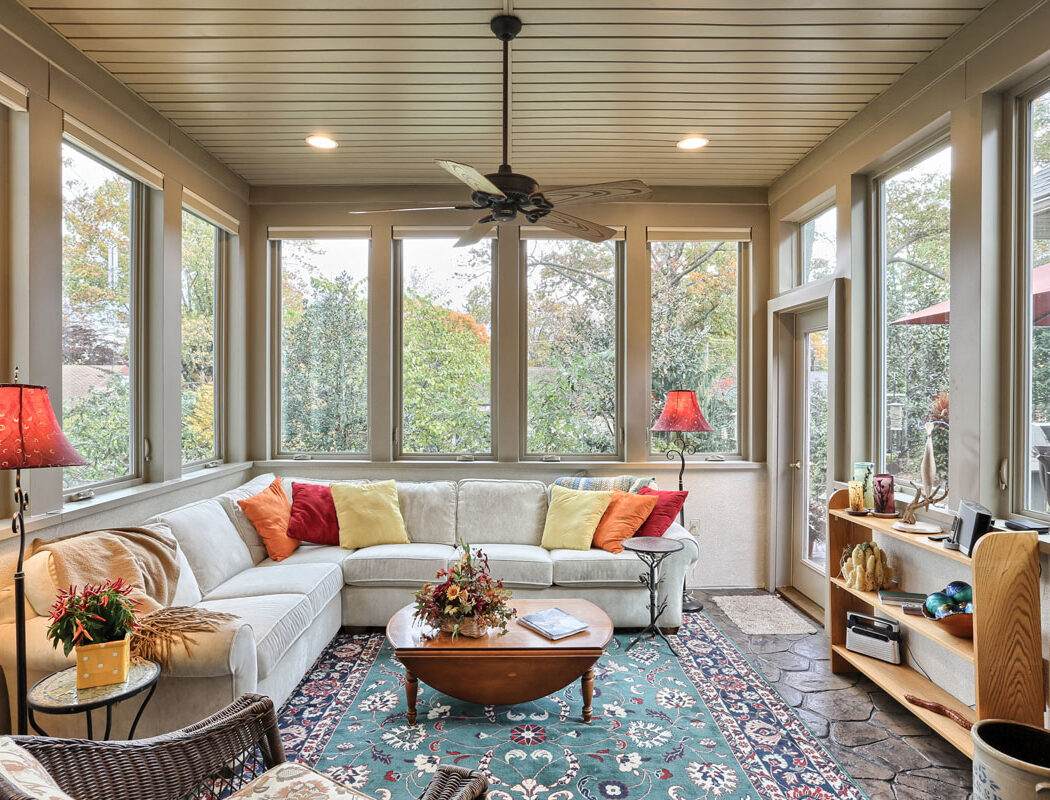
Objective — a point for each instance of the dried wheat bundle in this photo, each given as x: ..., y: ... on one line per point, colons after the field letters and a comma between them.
x: 156, y: 633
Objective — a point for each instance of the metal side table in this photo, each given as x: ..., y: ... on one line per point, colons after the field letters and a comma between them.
x: 652, y: 550
x: 58, y: 694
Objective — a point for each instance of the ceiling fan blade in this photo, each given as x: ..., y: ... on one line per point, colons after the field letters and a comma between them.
x: 581, y: 228
x: 470, y: 176
x: 413, y: 208
x: 475, y: 233
x: 599, y: 193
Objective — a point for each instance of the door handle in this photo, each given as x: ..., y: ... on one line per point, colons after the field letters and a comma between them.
x: 795, y: 465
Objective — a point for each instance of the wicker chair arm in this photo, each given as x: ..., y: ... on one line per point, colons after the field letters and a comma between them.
x: 455, y: 783
x: 223, y: 751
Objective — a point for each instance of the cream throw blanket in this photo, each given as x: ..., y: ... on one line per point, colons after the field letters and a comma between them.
x: 147, y: 561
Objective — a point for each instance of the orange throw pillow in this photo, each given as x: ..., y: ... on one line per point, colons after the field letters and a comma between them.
x: 269, y: 512
x: 624, y: 516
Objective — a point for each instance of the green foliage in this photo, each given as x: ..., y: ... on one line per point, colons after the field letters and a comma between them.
x: 100, y: 613
x: 199, y: 268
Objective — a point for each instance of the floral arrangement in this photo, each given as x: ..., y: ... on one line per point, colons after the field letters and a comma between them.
x: 100, y: 613
x: 465, y: 595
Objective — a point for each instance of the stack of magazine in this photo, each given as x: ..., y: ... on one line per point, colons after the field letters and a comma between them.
x: 553, y: 623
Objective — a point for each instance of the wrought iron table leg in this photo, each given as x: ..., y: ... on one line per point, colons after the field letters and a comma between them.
x: 138, y: 716
x: 109, y: 722
x: 90, y: 733
x: 32, y: 722
x: 652, y: 582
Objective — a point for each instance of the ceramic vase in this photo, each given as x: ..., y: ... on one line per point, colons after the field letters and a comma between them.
x: 103, y: 663
x: 864, y: 471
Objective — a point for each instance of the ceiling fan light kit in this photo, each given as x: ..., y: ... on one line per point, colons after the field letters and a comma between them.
x: 505, y: 194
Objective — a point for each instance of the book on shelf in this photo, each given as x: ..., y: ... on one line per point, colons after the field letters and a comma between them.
x: 886, y: 597
x: 553, y: 623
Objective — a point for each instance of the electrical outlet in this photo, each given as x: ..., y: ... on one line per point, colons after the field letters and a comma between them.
x: 694, y: 527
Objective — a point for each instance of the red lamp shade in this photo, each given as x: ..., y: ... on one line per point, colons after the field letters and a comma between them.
x: 681, y: 413
x: 29, y: 433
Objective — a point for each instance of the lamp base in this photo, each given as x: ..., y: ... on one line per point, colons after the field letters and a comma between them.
x: 690, y: 605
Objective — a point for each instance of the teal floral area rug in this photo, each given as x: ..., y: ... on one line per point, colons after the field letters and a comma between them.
x: 692, y: 725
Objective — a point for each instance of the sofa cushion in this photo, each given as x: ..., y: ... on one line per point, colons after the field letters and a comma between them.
x: 596, y: 567
x: 313, y: 554
x: 429, y: 510
x: 277, y: 620
x: 269, y: 512
x: 509, y: 512
x: 520, y: 565
x: 291, y: 780
x: 396, y: 564
x: 624, y: 516
x: 312, y: 518
x: 243, y: 525
x: 572, y: 518
x: 668, y: 506
x: 319, y: 582
x: 586, y: 483
x: 213, y: 547
x: 369, y: 514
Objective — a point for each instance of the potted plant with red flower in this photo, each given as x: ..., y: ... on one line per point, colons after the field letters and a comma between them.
x: 95, y: 622
x: 466, y: 599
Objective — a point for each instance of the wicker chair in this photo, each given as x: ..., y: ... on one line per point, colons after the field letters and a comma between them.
x: 209, y: 760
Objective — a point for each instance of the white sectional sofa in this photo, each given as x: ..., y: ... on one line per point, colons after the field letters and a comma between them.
x: 289, y: 611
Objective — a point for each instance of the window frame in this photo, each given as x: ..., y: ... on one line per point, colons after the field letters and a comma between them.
x: 800, y: 264
x: 743, y: 263
x: 1020, y: 446
x: 397, y: 266
x: 222, y: 255
x: 876, y: 181
x: 620, y: 319
x: 275, y: 271
x: 140, y: 225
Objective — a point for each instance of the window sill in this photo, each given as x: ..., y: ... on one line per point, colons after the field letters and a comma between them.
x: 662, y: 465
x: 72, y: 511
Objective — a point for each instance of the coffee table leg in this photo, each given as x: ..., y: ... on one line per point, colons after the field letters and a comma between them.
x: 411, y: 687
x: 588, y: 693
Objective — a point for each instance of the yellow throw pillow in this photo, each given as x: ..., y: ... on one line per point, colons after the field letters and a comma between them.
x: 572, y: 518
x: 368, y: 514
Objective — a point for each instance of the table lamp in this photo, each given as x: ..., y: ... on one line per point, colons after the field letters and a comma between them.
x: 30, y: 438
x: 682, y: 414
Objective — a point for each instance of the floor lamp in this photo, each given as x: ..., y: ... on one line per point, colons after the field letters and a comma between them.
x: 30, y: 438
x: 682, y: 414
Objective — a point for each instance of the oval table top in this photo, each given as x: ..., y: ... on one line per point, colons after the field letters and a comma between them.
x: 404, y: 633
x: 58, y: 692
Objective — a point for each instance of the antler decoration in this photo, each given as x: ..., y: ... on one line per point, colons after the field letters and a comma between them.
x: 925, y: 496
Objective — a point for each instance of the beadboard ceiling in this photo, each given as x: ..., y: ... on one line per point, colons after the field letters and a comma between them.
x: 602, y: 89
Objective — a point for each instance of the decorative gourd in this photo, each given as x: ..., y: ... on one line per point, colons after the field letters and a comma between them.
x: 865, y: 568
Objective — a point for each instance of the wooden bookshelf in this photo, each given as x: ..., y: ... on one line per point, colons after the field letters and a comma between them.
x: 1005, y: 651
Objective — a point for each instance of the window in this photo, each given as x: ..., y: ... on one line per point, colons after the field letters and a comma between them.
x: 914, y: 249
x: 817, y: 237
x: 572, y: 362
x: 99, y: 214
x: 201, y: 250
x: 323, y: 345
x: 695, y: 313
x: 446, y: 346
x: 1037, y: 260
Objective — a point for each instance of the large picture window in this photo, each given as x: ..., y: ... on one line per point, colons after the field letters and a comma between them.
x: 914, y: 259
x: 99, y: 210
x: 201, y: 249
x: 695, y: 317
x: 817, y: 238
x: 323, y: 345
x: 572, y: 381
x: 1037, y: 261
x: 446, y: 346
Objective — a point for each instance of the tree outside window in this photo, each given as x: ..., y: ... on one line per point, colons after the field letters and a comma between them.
x: 694, y: 335
x: 818, y: 237
x: 97, y: 367
x: 200, y: 251
x: 915, y: 243
x: 1038, y: 260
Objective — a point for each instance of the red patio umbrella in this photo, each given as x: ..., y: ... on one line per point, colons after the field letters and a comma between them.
x: 939, y: 313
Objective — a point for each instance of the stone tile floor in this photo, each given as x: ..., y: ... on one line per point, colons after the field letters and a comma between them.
x: 890, y: 753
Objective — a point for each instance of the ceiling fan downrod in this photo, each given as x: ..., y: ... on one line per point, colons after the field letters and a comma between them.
x: 506, y: 27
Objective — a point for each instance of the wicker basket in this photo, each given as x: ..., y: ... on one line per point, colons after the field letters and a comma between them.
x: 468, y: 626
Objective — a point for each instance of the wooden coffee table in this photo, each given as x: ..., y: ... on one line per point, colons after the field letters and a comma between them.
x: 501, y: 670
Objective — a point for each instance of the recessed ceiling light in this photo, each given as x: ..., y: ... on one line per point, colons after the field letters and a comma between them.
x: 322, y: 142
x: 692, y: 143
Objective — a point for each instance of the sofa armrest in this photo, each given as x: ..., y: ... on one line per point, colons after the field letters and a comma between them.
x: 689, y: 542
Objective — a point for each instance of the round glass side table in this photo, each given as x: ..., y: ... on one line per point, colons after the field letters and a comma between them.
x: 652, y: 550
x: 58, y: 694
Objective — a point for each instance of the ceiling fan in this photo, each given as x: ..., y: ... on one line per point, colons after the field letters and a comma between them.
x: 505, y: 193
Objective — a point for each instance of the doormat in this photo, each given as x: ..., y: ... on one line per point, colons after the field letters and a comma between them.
x: 700, y: 723
x: 763, y: 614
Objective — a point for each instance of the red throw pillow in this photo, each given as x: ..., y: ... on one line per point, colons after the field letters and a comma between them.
x: 313, y: 518
x: 668, y: 504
